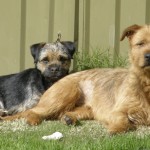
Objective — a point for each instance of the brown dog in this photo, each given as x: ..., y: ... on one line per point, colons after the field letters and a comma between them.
x: 118, y: 98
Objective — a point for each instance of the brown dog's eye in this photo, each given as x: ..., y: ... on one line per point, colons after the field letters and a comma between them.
x: 140, y: 43
x: 45, y: 60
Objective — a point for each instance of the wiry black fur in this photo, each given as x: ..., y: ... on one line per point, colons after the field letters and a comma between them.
x: 16, y: 89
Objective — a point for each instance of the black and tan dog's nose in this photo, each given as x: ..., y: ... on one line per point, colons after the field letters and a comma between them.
x: 147, y: 57
x: 54, y: 69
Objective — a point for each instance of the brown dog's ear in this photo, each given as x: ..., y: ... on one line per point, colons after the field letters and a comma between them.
x: 128, y: 32
x: 35, y: 50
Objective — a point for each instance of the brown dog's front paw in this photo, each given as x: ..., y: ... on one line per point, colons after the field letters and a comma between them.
x: 69, y: 119
x: 117, y: 129
x: 33, y: 119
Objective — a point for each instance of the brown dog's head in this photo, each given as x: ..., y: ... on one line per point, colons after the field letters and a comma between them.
x: 53, y: 59
x: 139, y: 39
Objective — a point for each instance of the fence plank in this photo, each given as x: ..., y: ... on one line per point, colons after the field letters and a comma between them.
x: 64, y: 19
x: 132, y: 12
x: 37, y: 23
x: 102, y: 24
x: 9, y: 36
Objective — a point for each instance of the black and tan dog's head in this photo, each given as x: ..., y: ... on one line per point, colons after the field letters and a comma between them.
x: 53, y: 59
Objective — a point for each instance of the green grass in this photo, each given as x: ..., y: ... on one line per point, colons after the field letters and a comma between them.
x: 90, y: 135
x: 98, y: 59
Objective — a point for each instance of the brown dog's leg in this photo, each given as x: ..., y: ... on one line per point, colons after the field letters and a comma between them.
x: 79, y: 113
x: 119, y: 122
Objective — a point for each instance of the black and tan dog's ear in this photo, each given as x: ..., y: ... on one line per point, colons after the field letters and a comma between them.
x: 70, y: 47
x: 130, y: 31
x: 35, y: 50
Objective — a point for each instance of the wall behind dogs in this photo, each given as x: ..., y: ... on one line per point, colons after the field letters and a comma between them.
x: 92, y: 23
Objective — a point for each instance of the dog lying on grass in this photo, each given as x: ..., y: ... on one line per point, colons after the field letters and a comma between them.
x: 21, y: 91
x: 118, y: 98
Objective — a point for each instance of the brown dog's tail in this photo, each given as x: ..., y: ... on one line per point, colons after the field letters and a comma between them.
x: 28, y: 115
x: 13, y: 117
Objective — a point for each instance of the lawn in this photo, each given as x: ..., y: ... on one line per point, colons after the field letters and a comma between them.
x: 90, y: 135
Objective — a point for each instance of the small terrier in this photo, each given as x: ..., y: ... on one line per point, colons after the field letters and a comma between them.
x: 118, y: 98
x: 21, y: 91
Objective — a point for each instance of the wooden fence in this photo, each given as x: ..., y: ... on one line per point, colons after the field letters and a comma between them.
x: 92, y: 23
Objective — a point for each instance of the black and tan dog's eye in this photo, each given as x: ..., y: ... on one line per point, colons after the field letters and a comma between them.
x: 45, y: 60
x: 62, y: 58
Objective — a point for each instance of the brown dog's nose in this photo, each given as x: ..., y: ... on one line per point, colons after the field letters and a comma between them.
x: 147, y: 57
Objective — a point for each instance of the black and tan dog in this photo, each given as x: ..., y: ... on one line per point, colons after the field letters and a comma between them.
x: 21, y: 91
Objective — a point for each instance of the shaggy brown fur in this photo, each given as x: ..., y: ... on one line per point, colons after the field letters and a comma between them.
x: 118, y: 98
